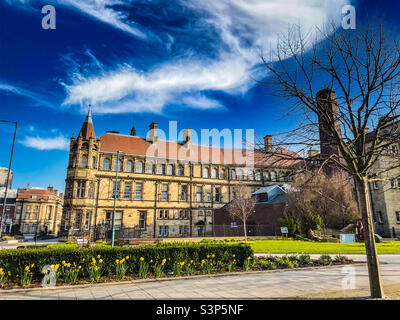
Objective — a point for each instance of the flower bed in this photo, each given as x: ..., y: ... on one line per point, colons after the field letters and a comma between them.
x: 32, y: 268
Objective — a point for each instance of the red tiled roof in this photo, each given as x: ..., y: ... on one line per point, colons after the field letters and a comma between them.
x: 168, y: 149
x: 39, y: 193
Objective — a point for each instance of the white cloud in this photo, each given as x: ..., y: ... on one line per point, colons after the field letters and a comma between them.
x: 36, y: 97
x: 49, y: 143
x: 246, y: 28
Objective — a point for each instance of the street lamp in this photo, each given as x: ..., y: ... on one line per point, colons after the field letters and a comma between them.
x: 8, y: 175
x: 117, y: 168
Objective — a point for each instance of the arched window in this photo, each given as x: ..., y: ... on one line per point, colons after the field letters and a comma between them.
x: 139, y: 167
x: 85, y: 146
x: 128, y: 166
x: 233, y: 175
x: 266, y: 175
x: 106, y: 164
x: 160, y: 169
x: 282, y: 176
x: 240, y: 174
x: 214, y: 173
x: 273, y: 176
x: 258, y: 175
x: 91, y: 190
x: 119, y: 165
x: 205, y: 172
x: 180, y: 171
x: 170, y: 169
x: 251, y: 175
x: 83, y: 163
x: 93, y: 162
x: 150, y: 168
x: 222, y: 176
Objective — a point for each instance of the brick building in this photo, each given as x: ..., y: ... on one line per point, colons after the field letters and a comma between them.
x: 165, y: 188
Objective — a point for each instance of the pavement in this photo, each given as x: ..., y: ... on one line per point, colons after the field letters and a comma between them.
x: 278, y: 284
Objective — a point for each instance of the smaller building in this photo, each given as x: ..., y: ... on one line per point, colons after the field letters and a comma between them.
x: 269, y: 208
x: 38, y: 210
x: 3, y: 177
x: 9, y: 211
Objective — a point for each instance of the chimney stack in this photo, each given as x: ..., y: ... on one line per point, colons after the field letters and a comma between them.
x: 27, y: 186
x: 153, y: 132
x: 268, y: 143
x: 186, y: 137
x: 49, y: 188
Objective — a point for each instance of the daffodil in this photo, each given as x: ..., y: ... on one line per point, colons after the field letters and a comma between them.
x: 141, y: 258
x: 26, y: 268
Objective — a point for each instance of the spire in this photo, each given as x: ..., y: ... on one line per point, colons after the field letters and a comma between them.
x: 87, y: 130
x: 133, y: 130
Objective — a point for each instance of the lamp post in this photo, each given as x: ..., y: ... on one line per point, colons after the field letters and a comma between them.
x: 115, y: 200
x: 8, y: 175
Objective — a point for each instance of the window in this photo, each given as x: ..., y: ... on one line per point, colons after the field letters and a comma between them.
x: 119, y: 162
x: 199, y: 194
x: 222, y: 176
x: 160, y: 230
x: 266, y: 176
x: 139, y: 191
x: 180, y: 230
x: 115, y: 193
x: 118, y: 220
x: 36, y: 208
x: 150, y: 168
x: 49, y: 212
x: 233, y: 175
x: 28, y: 208
x: 78, y: 220
x: 139, y: 167
x: 93, y: 165
x: 251, y: 175
x: 375, y: 184
x: 127, y: 191
x: 84, y: 162
x: 35, y: 216
x: 87, y: 219
x: 205, y: 172
x: 128, y: 166
x: 240, y: 174
x: 34, y: 228
x: 393, y: 184
x: 180, y: 214
x: 180, y: 171
x: 164, y: 192
x: 398, y: 217
x: 380, y: 217
x: 201, y: 213
x: 160, y: 169
x: 26, y: 228
x: 166, y: 231
x: 166, y: 214
x: 184, y: 190
x: 273, y: 176
x: 170, y: 169
x: 80, y: 191
x: 217, y: 194
x: 142, y: 220
x: 258, y: 175
x: 106, y: 164
x: 161, y: 215
x: 91, y: 190
x: 208, y: 196
x: 214, y: 173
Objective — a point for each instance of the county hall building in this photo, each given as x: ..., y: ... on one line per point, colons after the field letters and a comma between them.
x: 164, y: 189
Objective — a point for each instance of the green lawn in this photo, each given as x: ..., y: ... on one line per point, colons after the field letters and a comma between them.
x: 291, y: 246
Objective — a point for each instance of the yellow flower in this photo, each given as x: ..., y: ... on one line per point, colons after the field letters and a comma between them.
x: 127, y: 257
x: 202, y: 261
x: 26, y: 268
x: 208, y: 256
x: 83, y: 260
x: 63, y: 263
x: 117, y: 261
x: 9, y: 273
x: 101, y: 260
x: 32, y: 265
x: 163, y: 262
x: 233, y: 255
x: 249, y: 258
x: 98, y: 257
x: 213, y: 255
x: 141, y: 258
x: 68, y: 265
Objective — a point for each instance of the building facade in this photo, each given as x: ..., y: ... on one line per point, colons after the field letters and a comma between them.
x: 9, y: 211
x: 164, y: 189
x: 3, y: 177
x: 38, y: 210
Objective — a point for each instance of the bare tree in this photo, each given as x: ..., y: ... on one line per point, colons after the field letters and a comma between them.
x: 359, y: 71
x: 242, y: 206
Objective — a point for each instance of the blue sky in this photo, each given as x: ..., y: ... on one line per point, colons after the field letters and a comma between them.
x: 140, y: 61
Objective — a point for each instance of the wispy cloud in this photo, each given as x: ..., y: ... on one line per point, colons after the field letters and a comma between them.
x: 47, y: 143
x: 246, y: 28
x: 37, y: 98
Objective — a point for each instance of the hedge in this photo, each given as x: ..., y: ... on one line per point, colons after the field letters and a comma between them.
x: 15, y: 261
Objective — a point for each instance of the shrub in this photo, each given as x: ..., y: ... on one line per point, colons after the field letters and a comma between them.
x: 342, y: 260
x: 292, y: 223
x: 284, y: 262
x: 268, y: 264
x: 305, y: 260
x: 324, y: 260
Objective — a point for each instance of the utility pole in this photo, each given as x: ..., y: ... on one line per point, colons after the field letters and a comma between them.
x: 8, y: 175
x: 115, y: 199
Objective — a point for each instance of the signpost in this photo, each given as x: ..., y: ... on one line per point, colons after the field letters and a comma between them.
x: 284, y: 231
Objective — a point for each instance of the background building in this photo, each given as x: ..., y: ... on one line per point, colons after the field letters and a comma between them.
x: 38, y: 210
x: 165, y: 188
x: 3, y: 177
x: 9, y: 212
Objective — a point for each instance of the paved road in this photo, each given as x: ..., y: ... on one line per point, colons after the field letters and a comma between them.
x: 283, y: 284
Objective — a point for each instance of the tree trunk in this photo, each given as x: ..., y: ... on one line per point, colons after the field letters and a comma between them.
x: 244, y: 229
x: 375, y: 280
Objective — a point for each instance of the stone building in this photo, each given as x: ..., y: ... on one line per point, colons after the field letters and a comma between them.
x: 165, y: 188
x: 38, y: 210
x: 9, y: 212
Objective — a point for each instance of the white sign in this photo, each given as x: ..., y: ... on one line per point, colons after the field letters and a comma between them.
x: 284, y: 230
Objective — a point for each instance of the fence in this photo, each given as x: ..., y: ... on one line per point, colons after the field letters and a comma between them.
x: 126, y: 233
